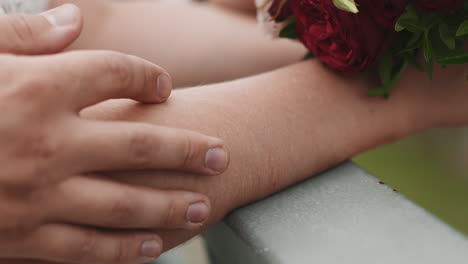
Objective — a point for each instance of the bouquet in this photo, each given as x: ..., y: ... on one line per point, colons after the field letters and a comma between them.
x: 352, y: 36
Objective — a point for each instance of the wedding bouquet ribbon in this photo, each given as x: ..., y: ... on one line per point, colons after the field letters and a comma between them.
x: 352, y: 36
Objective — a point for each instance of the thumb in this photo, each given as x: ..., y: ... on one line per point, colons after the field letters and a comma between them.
x: 46, y: 33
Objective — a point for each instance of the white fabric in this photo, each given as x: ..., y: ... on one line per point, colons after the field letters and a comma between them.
x: 22, y: 6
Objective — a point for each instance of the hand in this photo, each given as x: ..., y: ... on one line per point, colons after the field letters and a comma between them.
x: 47, y: 33
x: 54, y: 203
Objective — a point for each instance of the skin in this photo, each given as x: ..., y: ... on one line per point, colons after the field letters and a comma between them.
x: 52, y: 181
x: 315, y: 118
x: 208, y: 26
x: 318, y: 120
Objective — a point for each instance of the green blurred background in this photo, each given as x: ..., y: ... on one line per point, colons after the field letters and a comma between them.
x: 431, y: 169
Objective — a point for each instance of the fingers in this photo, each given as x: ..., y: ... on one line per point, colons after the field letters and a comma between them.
x: 90, y: 77
x: 108, y: 146
x: 47, y: 33
x: 109, y: 204
x: 82, y: 245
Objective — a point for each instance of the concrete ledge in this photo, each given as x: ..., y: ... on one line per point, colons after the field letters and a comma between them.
x: 341, y: 216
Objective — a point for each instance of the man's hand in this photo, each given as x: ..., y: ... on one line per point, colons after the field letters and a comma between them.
x: 48, y: 33
x: 55, y: 204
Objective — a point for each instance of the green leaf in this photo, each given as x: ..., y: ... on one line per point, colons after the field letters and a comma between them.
x: 390, y: 75
x: 427, y: 47
x: 396, y: 77
x: 413, y: 60
x: 385, y: 68
x: 289, y: 31
x: 413, y: 43
x: 415, y: 39
x: 410, y: 15
x: 439, y: 48
x: 399, y: 27
x: 431, y: 19
x: 446, y: 36
x: 309, y: 56
x: 463, y: 29
x: 380, y: 91
x: 411, y: 24
x: 454, y: 57
x: 429, y: 66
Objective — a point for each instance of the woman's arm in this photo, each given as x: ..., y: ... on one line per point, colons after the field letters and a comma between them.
x: 284, y: 126
x: 287, y: 125
x: 196, y: 43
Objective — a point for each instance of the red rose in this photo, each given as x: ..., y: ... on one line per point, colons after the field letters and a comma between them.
x: 430, y: 6
x: 280, y: 10
x: 346, y: 42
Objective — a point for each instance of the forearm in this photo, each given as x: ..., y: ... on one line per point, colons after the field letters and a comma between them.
x: 196, y: 43
x: 280, y: 127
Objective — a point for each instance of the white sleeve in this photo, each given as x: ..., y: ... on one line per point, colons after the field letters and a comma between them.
x: 22, y: 6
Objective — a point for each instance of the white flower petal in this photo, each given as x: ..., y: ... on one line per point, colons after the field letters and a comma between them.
x: 266, y: 21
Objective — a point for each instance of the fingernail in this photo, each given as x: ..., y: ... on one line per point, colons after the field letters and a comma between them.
x: 64, y: 15
x: 216, y: 159
x: 164, y: 86
x: 198, y: 213
x: 150, y: 249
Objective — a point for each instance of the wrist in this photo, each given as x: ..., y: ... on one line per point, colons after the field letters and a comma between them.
x: 405, y: 118
x: 437, y: 103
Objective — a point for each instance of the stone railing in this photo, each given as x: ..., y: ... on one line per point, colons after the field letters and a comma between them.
x: 341, y: 216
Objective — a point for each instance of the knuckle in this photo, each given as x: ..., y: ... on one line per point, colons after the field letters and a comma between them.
x: 188, y: 153
x: 87, y: 251
x: 122, y: 211
x: 120, y: 253
x: 118, y: 66
x: 14, y: 222
x: 20, y: 205
x: 141, y: 147
x: 170, y: 214
x: 19, y: 188
x: 22, y: 32
x: 34, y: 86
x: 26, y: 185
x: 13, y: 180
x: 38, y: 147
